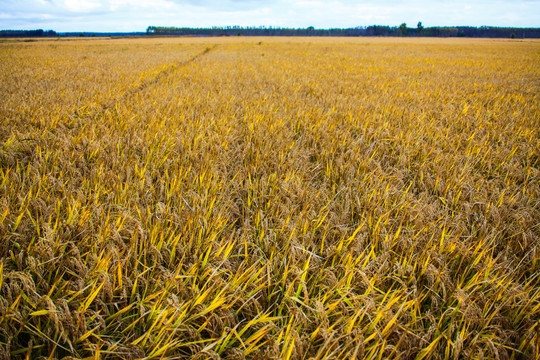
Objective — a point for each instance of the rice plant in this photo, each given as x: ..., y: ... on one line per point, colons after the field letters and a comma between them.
x: 275, y: 198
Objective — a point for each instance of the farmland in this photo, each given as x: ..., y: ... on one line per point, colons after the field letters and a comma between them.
x: 292, y: 198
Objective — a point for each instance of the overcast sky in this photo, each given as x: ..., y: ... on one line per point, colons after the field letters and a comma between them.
x: 132, y: 15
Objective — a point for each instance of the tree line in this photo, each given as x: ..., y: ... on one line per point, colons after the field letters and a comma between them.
x: 28, y: 33
x: 374, y: 30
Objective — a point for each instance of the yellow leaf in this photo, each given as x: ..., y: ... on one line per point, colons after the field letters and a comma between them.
x: 39, y: 313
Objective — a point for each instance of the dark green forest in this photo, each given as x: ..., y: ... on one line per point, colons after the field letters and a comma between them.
x: 373, y: 30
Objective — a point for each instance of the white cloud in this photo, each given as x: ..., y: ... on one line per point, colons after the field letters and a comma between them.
x: 133, y: 15
x: 117, y: 5
x: 82, y: 6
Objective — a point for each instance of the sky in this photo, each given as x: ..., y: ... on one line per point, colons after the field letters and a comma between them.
x: 132, y: 15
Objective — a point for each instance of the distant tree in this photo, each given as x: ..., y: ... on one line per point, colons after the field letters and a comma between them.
x: 378, y: 30
x: 403, y: 28
x: 420, y: 27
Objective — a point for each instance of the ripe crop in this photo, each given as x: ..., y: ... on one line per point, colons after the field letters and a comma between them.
x: 292, y: 198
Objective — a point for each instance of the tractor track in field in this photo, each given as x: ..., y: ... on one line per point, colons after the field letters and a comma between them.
x: 168, y: 70
x: 155, y: 79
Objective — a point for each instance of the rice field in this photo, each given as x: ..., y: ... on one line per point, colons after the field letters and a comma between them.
x: 270, y: 198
